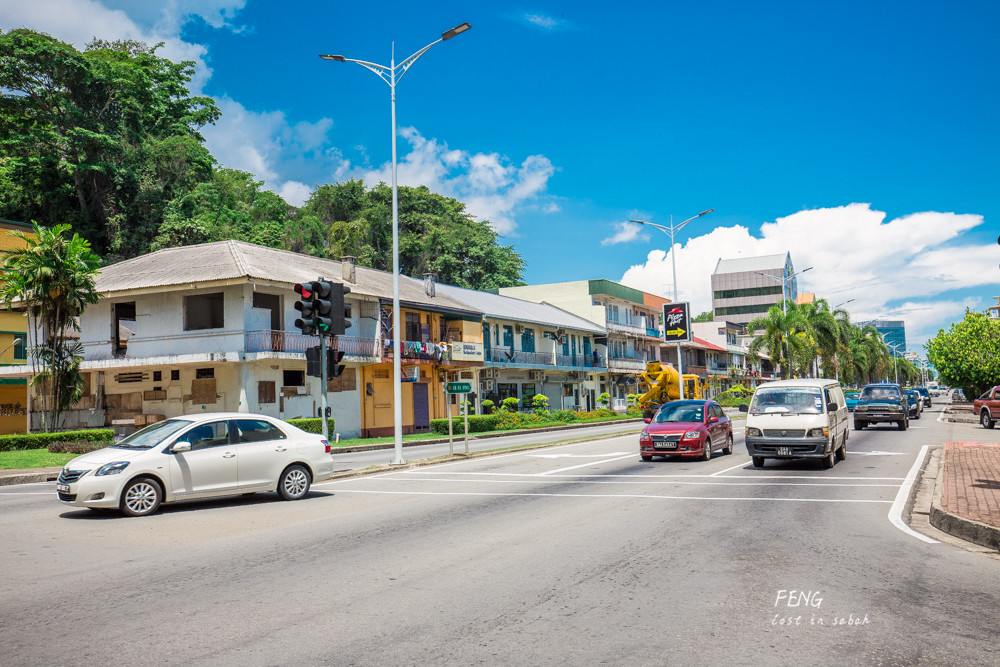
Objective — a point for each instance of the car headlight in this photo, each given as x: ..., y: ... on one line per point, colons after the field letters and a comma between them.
x: 751, y: 431
x: 692, y: 435
x: 112, y: 468
x: 817, y: 433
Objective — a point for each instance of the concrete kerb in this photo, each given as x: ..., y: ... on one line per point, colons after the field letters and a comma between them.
x: 33, y: 477
x: 969, y: 530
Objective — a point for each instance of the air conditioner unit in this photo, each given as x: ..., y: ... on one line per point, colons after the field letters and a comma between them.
x: 492, y: 373
x: 536, y: 375
x: 302, y: 390
x: 466, y: 375
x: 490, y: 385
x: 518, y: 328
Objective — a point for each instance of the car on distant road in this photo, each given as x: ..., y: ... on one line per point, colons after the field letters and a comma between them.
x: 987, y: 407
x: 880, y: 403
x: 852, y: 397
x: 194, y: 457
x: 914, y: 402
x: 692, y: 428
x: 924, y: 394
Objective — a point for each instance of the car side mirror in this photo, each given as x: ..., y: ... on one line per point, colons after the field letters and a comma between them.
x: 179, y: 447
x: 647, y: 419
x: 744, y: 407
x: 713, y: 419
x: 831, y: 406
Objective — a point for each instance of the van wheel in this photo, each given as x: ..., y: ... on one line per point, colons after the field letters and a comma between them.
x: 829, y: 460
x: 842, y: 452
x: 758, y: 461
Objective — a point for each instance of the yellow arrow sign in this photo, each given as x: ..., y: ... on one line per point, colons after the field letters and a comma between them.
x: 676, y: 332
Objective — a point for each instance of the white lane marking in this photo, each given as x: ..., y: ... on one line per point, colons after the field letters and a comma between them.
x: 608, y: 495
x: 576, y: 456
x: 637, y: 476
x: 896, y: 511
x: 879, y: 453
x: 26, y: 493
x: 584, y: 465
x: 738, y: 465
x: 578, y: 482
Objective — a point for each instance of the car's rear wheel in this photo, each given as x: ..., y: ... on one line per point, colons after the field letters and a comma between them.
x: 985, y: 419
x: 729, y: 445
x: 758, y: 461
x: 141, y: 497
x: 294, y: 482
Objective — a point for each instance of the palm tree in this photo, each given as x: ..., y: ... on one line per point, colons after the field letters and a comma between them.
x: 778, y: 330
x: 52, y: 276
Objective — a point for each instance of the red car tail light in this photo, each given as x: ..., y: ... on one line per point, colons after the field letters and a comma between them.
x: 326, y: 444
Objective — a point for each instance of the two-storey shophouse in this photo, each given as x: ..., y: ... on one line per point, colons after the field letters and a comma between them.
x: 630, y: 316
x: 536, y: 348
x: 210, y: 327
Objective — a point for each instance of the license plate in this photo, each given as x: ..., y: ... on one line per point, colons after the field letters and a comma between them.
x: 665, y: 445
x: 784, y: 451
x: 62, y: 487
x: 880, y: 415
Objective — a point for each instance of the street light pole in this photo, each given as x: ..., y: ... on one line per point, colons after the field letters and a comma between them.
x: 672, y: 231
x: 388, y: 74
x: 784, y: 309
x: 895, y: 371
x: 837, y: 361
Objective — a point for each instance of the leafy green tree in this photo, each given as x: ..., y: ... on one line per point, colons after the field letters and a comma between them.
x: 968, y: 354
x: 779, y: 335
x: 99, y: 139
x: 53, y: 277
x: 704, y: 317
x: 436, y: 234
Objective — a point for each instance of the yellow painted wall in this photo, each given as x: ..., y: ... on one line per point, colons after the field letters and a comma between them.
x: 377, y: 408
x: 12, y: 325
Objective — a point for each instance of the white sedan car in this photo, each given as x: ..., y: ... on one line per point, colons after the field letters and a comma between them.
x: 197, y: 456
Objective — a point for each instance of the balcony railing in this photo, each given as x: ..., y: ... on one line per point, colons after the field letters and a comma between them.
x: 266, y: 340
x: 507, y: 355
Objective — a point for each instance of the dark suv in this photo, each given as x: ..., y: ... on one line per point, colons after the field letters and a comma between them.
x: 881, y: 403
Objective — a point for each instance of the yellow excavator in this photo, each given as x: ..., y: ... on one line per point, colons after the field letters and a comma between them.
x: 660, y: 384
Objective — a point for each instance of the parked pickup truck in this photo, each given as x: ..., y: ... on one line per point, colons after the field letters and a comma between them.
x: 987, y: 407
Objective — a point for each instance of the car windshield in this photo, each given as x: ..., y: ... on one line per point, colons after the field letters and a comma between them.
x: 788, y: 399
x: 880, y: 394
x: 679, y: 413
x: 153, y: 434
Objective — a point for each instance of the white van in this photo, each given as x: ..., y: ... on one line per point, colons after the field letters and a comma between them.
x: 804, y: 418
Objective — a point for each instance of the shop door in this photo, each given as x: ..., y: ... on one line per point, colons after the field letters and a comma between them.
x: 421, y: 412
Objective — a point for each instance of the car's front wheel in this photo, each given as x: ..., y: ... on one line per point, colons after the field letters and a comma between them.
x: 707, y: 447
x: 858, y: 426
x: 729, y: 445
x: 985, y: 419
x: 646, y: 458
x: 294, y: 482
x: 141, y: 497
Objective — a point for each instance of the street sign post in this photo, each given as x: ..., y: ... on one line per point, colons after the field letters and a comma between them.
x: 460, y: 388
x: 677, y: 329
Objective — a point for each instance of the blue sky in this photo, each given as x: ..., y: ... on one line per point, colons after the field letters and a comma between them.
x: 859, y: 136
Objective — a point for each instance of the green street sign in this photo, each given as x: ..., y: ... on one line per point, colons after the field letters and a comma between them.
x: 458, y: 387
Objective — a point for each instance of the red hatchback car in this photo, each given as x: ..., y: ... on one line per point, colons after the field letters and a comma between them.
x: 686, y: 428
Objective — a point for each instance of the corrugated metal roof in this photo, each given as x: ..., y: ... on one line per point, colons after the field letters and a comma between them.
x: 510, y: 308
x: 233, y: 260
x: 762, y: 263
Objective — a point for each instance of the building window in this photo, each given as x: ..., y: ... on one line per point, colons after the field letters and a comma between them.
x: 19, y: 347
x: 266, y: 392
x: 508, y: 335
x: 157, y: 376
x: 175, y: 374
x: 528, y: 340
x: 294, y: 379
x: 204, y: 373
x: 748, y: 291
x: 203, y: 311
x: 412, y: 326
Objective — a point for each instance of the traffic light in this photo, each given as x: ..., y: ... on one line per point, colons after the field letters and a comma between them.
x: 333, y: 367
x: 322, y: 291
x: 305, y: 306
x: 313, y: 369
x: 340, y: 311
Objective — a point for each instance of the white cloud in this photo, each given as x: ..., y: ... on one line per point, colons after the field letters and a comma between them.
x: 541, y: 20
x: 627, y: 232
x: 294, y: 193
x: 492, y: 187
x: 855, y: 254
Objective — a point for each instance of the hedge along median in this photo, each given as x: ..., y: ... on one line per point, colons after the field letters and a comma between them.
x: 509, y: 421
x: 19, y: 441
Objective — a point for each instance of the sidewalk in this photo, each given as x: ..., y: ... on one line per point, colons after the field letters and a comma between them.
x: 966, y: 500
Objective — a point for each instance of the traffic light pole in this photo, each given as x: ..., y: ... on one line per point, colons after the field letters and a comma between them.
x: 322, y: 387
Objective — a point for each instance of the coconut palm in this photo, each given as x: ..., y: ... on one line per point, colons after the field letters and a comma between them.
x: 52, y: 277
x: 779, y: 336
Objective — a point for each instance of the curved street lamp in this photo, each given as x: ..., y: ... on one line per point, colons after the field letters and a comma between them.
x: 672, y: 230
x: 390, y: 76
x: 784, y: 280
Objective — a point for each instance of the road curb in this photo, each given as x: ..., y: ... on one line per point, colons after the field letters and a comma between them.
x: 41, y: 475
x: 976, y: 532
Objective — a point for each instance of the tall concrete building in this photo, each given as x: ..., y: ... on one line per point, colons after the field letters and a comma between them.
x: 746, y: 287
x: 893, y: 331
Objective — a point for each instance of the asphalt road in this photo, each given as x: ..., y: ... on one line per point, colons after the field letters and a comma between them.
x: 576, y: 554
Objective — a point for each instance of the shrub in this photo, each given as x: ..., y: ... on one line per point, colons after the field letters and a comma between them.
x: 488, y: 407
x: 75, y: 446
x: 604, y: 399
x: 19, y: 441
x: 540, y: 403
x: 477, y: 424
x: 312, y: 424
x: 633, y: 411
x: 563, y: 415
x: 509, y: 404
